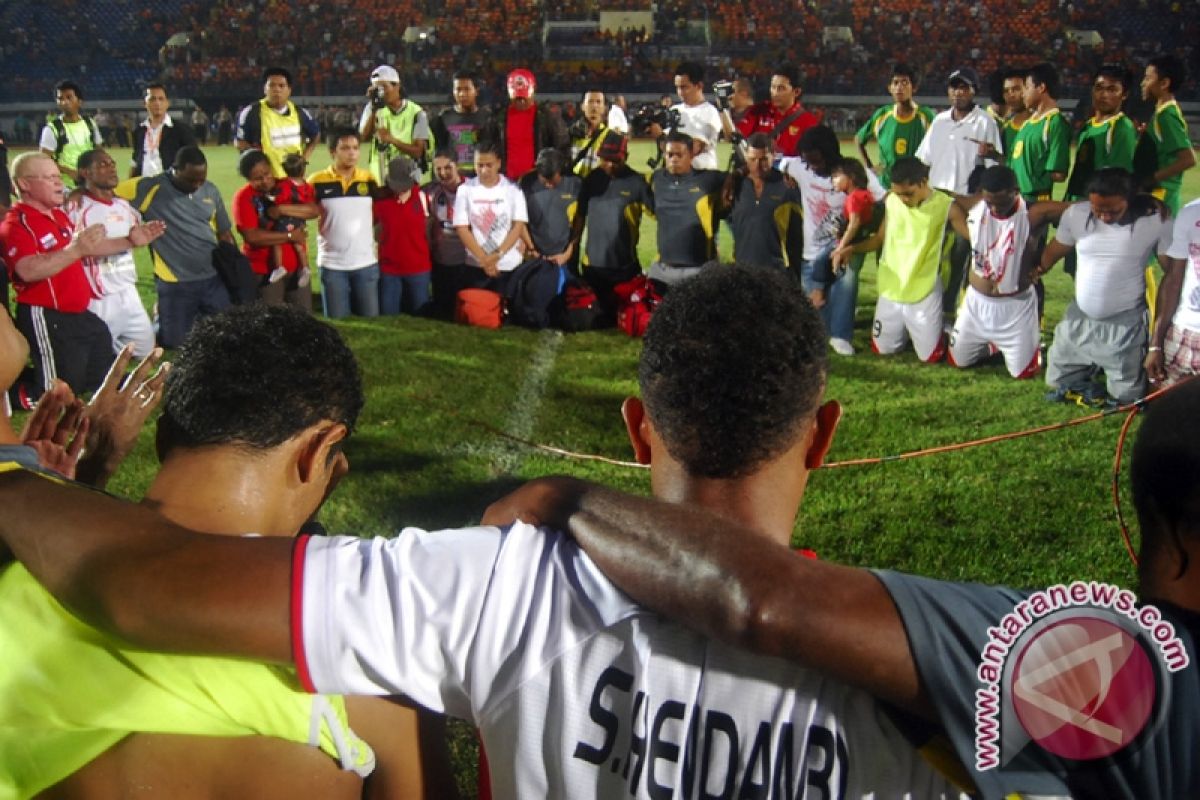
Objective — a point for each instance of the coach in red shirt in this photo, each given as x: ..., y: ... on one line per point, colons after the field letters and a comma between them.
x: 43, y: 257
x: 783, y: 118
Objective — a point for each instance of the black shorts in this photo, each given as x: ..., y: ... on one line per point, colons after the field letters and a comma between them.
x: 75, y: 348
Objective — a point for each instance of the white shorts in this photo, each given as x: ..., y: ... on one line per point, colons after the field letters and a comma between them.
x: 126, y: 318
x: 1008, y: 324
x: 896, y: 322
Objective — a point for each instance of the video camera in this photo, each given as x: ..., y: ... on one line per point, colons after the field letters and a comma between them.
x: 723, y: 90
x: 375, y: 93
x: 649, y: 114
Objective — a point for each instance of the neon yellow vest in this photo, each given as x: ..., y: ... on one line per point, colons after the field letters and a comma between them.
x: 913, y: 248
x: 280, y: 134
x: 399, y: 124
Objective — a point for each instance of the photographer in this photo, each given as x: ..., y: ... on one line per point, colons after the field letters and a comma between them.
x: 393, y: 125
x: 697, y: 117
x: 783, y: 118
x: 587, y: 132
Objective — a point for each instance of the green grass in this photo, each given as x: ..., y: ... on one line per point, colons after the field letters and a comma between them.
x: 1027, y: 511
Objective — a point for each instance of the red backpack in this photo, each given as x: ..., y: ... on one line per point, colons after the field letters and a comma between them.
x: 636, y: 301
x: 479, y: 307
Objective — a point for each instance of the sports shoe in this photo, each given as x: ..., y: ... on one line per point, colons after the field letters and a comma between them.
x: 1063, y: 395
x: 304, y: 277
x: 277, y: 274
x: 841, y: 346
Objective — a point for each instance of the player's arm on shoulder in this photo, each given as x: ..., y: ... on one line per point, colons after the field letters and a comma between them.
x: 733, y: 584
x: 123, y: 568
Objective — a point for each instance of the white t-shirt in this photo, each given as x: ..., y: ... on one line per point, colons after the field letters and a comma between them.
x: 577, y: 691
x: 949, y: 151
x: 1111, y: 276
x: 1185, y: 244
x: 491, y: 213
x: 702, y: 122
x: 997, y: 245
x: 823, y: 207
x: 617, y: 120
x: 108, y: 274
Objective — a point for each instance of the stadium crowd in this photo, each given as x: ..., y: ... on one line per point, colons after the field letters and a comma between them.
x: 532, y: 209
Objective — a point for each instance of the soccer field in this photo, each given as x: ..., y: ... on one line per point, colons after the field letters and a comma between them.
x: 429, y: 450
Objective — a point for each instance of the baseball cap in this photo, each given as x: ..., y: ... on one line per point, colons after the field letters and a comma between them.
x: 613, y: 147
x: 400, y: 174
x: 521, y: 83
x: 964, y: 75
x: 385, y: 73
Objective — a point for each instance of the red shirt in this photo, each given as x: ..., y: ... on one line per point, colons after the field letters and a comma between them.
x: 27, y: 231
x: 860, y: 202
x: 250, y: 211
x: 763, y: 117
x: 289, y: 191
x: 519, y: 136
x: 403, y: 241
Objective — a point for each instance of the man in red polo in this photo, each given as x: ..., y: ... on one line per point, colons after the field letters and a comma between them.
x: 43, y: 257
x: 783, y: 118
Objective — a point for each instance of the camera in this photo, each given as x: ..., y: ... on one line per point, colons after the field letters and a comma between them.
x: 376, y: 95
x: 649, y: 114
x: 579, y: 129
x: 723, y: 90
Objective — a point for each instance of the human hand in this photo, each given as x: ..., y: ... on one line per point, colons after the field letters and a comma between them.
x: 548, y: 501
x: 57, y: 430
x: 144, y: 234
x: 117, y: 412
x: 384, y: 136
x: 879, y: 168
x: 491, y: 264
x: 1155, y: 366
x: 88, y: 241
x: 817, y: 297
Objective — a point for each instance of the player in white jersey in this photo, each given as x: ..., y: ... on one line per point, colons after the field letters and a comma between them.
x: 578, y: 692
x: 999, y: 310
x: 1174, y: 351
x: 1115, y: 234
x: 113, y: 278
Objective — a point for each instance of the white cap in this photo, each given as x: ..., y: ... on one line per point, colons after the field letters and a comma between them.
x: 385, y: 73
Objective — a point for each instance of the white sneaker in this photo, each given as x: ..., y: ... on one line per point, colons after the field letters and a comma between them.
x: 304, y: 277
x: 841, y: 346
x: 277, y: 274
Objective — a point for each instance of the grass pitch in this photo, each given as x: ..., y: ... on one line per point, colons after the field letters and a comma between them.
x: 1026, y: 511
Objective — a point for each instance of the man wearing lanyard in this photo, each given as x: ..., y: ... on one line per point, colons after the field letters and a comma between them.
x: 157, y: 139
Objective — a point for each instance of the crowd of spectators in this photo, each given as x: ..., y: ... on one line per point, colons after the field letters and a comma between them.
x: 219, y: 49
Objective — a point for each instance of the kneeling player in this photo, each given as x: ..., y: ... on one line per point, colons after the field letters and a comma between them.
x: 1000, y: 308
x: 912, y: 264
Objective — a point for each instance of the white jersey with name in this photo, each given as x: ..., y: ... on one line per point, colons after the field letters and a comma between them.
x: 703, y: 122
x: 998, y: 243
x: 1185, y: 245
x: 577, y: 691
x: 1111, y: 276
x: 108, y: 274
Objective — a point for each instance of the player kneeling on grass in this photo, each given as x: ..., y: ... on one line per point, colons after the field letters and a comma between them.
x: 999, y: 311
x: 1106, y: 327
x: 912, y: 264
x: 514, y: 628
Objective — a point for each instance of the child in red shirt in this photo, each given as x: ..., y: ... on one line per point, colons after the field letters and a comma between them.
x: 401, y: 215
x: 850, y: 178
x: 292, y: 190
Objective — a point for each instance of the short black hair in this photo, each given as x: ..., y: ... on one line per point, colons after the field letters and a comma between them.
x: 293, y: 165
x: 1172, y: 67
x: 902, y: 70
x: 280, y: 71
x: 997, y: 178
x: 446, y: 152
x: 909, y: 171
x: 679, y: 137
x: 87, y: 157
x: 1045, y: 74
x: 488, y: 146
x: 760, y: 141
x: 72, y: 86
x: 853, y: 169
x: 155, y: 85
x: 822, y: 139
x: 1164, y: 472
x: 337, y: 134
x: 790, y: 71
x: 1117, y: 72
x: 249, y: 160
x: 550, y: 162
x: 464, y: 75
x: 256, y: 375
x: 189, y: 155
x: 733, y: 363
x: 692, y: 70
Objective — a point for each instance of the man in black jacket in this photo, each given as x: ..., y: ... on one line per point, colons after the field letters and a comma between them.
x: 157, y: 139
x: 526, y: 128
